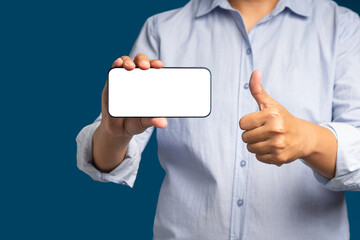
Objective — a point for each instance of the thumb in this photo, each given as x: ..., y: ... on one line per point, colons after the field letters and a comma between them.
x: 155, y: 122
x: 258, y: 92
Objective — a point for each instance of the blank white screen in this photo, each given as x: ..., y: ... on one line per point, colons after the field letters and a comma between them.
x: 166, y: 92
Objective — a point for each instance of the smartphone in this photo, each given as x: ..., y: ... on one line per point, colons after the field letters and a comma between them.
x: 165, y: 92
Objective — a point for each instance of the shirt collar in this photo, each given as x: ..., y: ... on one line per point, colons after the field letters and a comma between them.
x: 206, y: 6
x: 300, y: 7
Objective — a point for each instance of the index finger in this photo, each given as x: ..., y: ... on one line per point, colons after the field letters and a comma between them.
x: 252, y: 120
x: 118, y: 63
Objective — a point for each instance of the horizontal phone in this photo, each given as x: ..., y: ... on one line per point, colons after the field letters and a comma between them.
x: 165, y: 92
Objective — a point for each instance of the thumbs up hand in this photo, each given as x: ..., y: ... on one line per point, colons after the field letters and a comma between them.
x: 273, y: 134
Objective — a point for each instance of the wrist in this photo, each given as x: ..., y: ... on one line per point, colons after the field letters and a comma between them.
x: 110, y: 137
x: 320, y: 153
x: 310, y: 139
x: 108, y: 150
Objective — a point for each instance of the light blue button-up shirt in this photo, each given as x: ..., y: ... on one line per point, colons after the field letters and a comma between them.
x: 214, y: 189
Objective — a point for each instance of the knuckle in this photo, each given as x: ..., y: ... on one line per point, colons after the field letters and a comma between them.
x: 143, y: 124
x: 278, y: 128
x: 273, y: 113
x: 242, y: 123
x: 280, y: 158
x: 279, y: 142
x: 140, y: 123
x: 141, y: 60
x: 259, y: 157
x: 278, y: 151
x: 125, y: 58
x: 141, y: 56
x: 244, y: 136
x: 250, y: 148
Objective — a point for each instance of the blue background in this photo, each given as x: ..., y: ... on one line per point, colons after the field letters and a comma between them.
x: 54, y: 59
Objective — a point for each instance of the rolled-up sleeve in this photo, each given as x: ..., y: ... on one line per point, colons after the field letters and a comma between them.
x: 346, y: 106
x: 126, y: 172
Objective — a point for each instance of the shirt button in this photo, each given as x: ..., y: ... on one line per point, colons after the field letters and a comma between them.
x: 242, y: 163
x: 246, y: 85
x: 240, y: 202
x: 248, y: 51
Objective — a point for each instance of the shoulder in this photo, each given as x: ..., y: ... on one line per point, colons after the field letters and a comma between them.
x: 173, y: 19
x: 330, y: 12
x: 334, y: 21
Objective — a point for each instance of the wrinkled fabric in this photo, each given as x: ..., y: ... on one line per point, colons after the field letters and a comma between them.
x: 309, y: 55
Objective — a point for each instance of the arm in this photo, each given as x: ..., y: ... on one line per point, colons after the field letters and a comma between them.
x: 105, y: 151
x: 277, y: 137
x: 321, y: 155
x: 332, y: 149
x: 112, y: 137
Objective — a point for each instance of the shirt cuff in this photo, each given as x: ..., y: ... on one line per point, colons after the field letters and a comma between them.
x: 347, y: 175
x: 124, y: 174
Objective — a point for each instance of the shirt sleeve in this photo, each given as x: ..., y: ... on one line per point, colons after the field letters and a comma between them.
x: 147, y: 41
x: 126, y: 172
x: 345, y: 122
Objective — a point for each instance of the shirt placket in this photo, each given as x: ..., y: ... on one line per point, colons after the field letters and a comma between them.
x: 242, y: 156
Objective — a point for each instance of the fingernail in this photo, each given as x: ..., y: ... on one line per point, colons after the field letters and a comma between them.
x: 129, y: 64
x: 145, y: 63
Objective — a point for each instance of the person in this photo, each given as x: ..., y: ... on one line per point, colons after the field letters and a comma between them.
x: 280, y: 147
